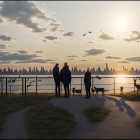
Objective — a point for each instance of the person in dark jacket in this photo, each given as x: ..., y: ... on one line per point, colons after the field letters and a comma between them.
x: 87, y: 81
x: 56, y: 76
x: 65, y: 75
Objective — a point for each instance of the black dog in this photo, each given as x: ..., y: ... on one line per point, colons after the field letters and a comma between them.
x: 98, y: 90
x: 76, y: 91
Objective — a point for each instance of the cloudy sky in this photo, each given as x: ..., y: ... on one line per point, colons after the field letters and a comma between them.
x: 81, y: 33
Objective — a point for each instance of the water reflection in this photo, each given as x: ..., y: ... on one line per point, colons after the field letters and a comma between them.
x: 47, y: 84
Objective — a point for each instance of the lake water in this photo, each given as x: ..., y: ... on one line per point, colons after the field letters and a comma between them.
x: 45, y: 83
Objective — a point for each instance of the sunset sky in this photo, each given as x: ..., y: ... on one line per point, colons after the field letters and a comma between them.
x: 81, y: 33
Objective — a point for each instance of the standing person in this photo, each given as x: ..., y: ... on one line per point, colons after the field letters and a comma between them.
x: 87, y: 81
x: 66, y: 78
x: 56, y: 76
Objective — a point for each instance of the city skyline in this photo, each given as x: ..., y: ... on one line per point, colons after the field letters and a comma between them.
x: 82, y: 33
x: 74, y: 71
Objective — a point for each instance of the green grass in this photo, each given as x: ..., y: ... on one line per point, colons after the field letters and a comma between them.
x: 96, y: 114
x: 42, y: 119
x: 46, y: 121
x: 133, y: 96
x: 138, y: 123
x: 11, y: 104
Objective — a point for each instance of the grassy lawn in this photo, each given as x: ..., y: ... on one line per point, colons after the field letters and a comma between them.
x: 42, y: 119
x: 95, y: 114
x: 14, y: 103
x: 133, y: 96
x: 46, y: 121
x: 138, y: 123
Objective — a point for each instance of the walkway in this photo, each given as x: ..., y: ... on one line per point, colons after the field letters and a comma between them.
x: 119, y: 124
x: 14, y: 127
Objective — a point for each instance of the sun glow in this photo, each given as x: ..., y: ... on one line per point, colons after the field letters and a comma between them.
x: 121, y: 75
x: 121, y: 22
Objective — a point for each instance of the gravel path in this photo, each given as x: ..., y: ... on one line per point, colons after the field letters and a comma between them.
x: 119, y: 124
x: 14, y: 127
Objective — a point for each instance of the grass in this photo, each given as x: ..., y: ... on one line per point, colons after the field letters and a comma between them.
x: 46, y: 121
x: 96, y: 114
x: 42, y: 119
x: 14, y: 103
x: 138, y: 123
x: 133, y: 96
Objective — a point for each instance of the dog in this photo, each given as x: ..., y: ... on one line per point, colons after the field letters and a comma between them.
x: 76, y: 91
x: 136, y: 85
x: 98, y: 90
x: 92, y: 90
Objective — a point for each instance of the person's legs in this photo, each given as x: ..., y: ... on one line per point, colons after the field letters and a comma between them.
x: 59, y: 89
x: 86, y: 92
x: 68, y: 90
x: 89, y: 91
x: 56, y: 90
x: 65, y: 90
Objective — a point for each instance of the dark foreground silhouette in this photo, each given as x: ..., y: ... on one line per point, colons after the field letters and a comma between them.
x: 87, y: 81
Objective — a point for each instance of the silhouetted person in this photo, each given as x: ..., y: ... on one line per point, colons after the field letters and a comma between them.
x: 56, y: 76
x: 87, y: 81
x: 66, y: 78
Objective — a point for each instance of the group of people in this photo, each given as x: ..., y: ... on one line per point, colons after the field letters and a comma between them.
x: 64, y: 76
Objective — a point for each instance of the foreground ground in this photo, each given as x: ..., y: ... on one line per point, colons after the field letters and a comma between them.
x: 32, y: 117
x: 119, y: 124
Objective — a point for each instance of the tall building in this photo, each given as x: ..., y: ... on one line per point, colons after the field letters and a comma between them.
x: 107, y: 69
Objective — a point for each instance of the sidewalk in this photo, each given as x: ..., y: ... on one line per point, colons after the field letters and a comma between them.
x: 14, y: 127
x: 119, y: 124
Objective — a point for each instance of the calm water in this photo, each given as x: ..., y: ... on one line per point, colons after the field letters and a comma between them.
x: 45, y: 83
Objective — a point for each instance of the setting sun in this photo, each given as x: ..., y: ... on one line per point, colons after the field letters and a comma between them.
x: 121, y: 22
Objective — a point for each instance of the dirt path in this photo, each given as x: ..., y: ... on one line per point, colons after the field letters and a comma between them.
x: 14, y: 127
x: 119, y: 124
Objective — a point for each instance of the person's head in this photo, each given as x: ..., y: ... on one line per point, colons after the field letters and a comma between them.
x: 65, y: 64
x: 57, y: 65
x: 87, y: 69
